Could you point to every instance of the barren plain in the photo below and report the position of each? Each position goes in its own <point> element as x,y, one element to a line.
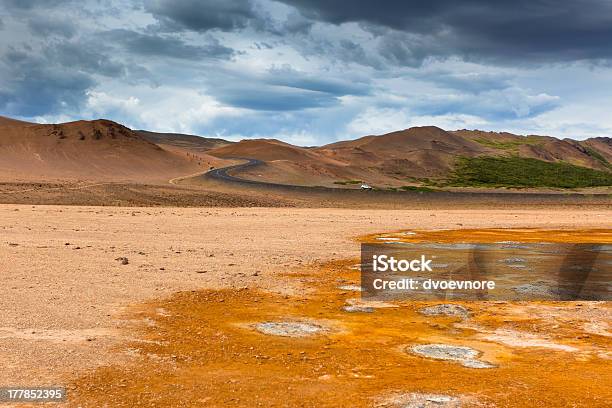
<point>84,289</point>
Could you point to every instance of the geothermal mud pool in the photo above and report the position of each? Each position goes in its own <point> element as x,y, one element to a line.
<point>329,348</point>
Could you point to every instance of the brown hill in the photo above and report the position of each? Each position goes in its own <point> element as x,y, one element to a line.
<point>417,152</point>
<point>264,149</point>
<point>4,121</point>
<point>394,159</point>
<point>105,150</point>
<point>397,144</point>
<point>285,163</point>
<point>192,143</point>
<point>86,150</point>
<point>404,157</point>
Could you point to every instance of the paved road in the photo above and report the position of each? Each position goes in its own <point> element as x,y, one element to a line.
<point>222,174</point>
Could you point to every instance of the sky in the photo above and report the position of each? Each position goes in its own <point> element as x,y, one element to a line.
<point>311,72</point>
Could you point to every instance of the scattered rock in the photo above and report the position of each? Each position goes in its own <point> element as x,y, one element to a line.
<point>201,271</point>
<point>515,338</point>
<point>123,260</point>
<point>516,266</point>
<point>351,288</point>
<point>445,352</point>
<point>358,309</point>
<point>477,364</point>
<point>422,400</point>
<point>467,356</point>
<point>289,329</point>
<point>539,288</point>
<point>376,304</point>
<point>447,309</point>
<point>513,260</point>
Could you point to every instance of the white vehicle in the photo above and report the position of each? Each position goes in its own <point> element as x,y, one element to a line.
<point>364,186</point>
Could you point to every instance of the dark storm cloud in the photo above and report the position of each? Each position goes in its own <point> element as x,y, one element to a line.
<point>337,50</point>
<point>45,26</point>
<point>196,15</point>
<point>94,58</point>
<point>405,49</point>
<point>165,46</point>
<point>272,98</point>
<point>39,16</point>
<point>472,82</point>
<point>32,4</point>
<point>283,89</point>
<point>58,79</point>
<point>302,66</point>
<point>224,15</point>
<point>89,57</point>
<point>338,87</point>
<point>296,23</point>
<point>34,88</point>
<point>531,30</point>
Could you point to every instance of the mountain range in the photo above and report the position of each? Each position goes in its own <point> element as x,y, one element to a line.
<point>105,150</point>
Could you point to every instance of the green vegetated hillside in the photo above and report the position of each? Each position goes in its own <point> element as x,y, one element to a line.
<point>598,156</point>
<point>509,145</point>
<point>525,172</point>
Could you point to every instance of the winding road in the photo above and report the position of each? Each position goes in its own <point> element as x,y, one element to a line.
<point>223,174</point>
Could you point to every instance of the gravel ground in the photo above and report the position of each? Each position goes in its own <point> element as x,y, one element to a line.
<point>68,272</point>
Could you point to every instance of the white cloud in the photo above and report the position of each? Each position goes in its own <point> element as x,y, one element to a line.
<point>99,101</point>
<point>450,122</point>
<point>345,65</point>
<point>377,121</point>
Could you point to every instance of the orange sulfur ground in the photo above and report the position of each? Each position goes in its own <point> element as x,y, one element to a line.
<point>595,236</point>
<point>200,348</point>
